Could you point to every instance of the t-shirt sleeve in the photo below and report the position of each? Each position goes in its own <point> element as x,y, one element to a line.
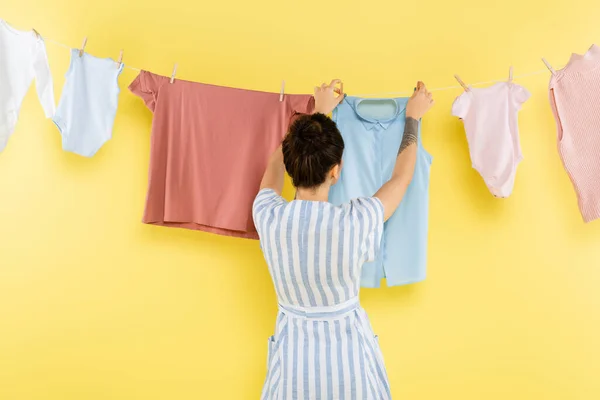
<point>302,104</point>
<point>264,204</point>
<point>461,106</point>
<point>43,79</point>
<point>368,213</point>
<point>520,95</point>
<point>146,86</point>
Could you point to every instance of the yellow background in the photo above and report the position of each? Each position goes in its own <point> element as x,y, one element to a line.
<point>96,305</point>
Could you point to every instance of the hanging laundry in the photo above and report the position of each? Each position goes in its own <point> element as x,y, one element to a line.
<point>22,58</point>
<point>88,104</point>
<point>209,149</point>
<point>490,119</point>
<point>372,130</point>
<point>574,98</point>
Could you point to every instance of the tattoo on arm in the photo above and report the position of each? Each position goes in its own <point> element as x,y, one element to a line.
<point>411,134</point>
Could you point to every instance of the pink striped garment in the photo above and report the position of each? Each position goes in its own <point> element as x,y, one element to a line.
<point>575,101</point>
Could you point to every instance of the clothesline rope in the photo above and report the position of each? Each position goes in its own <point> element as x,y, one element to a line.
<point>405,93</point>
<point>70,48</point>
<point>440,89</point>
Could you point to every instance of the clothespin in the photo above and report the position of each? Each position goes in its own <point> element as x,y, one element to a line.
<point>37,33</point>
<point>120,61</point>
<point>510,74</point>
<point>462,83</point>
<point>549,66</point>
<point>82,49</point>
<point>174,72</point>
<point>282,91</point>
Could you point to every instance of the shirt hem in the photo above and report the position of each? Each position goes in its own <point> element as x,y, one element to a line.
<point>204,228</point>
<point>390,283</point>
<point>591,216</point>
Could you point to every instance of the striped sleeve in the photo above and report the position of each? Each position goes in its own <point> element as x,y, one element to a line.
<point>369,212</point>
<point>264,204</point>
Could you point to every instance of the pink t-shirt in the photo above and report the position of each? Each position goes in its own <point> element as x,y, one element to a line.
<point>575,101</point>
<point>208,151</point>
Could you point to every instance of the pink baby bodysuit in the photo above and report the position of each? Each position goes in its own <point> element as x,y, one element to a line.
<point>490,119</point>
<point>575,101</point>
<point>209,150</point>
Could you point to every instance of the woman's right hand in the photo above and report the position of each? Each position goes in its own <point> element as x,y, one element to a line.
<point>325,96</point>
<point>419,103</point>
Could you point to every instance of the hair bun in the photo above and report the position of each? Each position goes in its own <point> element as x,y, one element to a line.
<point>311,131</point>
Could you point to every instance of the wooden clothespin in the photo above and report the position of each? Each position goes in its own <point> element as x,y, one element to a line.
<point>174,72</point>
<point>549,66</point>
<point>37,34</point>
<point>82,49</point>
<point>120,61</point>
<point>462,83</point>
<point>282,91</point>
<point>510,74</point>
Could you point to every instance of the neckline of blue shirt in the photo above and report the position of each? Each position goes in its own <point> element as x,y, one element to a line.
<point>371,123</point>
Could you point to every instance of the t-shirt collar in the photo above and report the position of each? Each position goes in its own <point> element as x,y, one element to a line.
<point>583,62</point>
<point>370,123</point>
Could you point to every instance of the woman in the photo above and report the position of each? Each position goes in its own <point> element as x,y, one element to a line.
<point>324,347</point>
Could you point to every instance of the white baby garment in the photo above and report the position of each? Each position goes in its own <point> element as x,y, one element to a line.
<point>22,58</point>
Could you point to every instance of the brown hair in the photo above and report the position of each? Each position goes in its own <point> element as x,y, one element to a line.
<point>312,146</point>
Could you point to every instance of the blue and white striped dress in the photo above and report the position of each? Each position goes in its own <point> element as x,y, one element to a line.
<point>323,347</point>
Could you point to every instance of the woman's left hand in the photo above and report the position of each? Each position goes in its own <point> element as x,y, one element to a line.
<point>325,96</point>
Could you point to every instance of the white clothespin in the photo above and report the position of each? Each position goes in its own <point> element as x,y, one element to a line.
<point>120,61</point>
<point>462,83</point>
<point>174,72</point>
<point>510,74</point>
<point>549,66</point>
<point>282,91</point>
<point>82,49</point>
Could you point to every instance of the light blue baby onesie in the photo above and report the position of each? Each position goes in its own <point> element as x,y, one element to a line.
<point>372,130</point>
<point>88,104</point>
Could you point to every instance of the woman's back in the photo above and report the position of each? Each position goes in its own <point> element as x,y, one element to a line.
<point>323,347</point>
<point>314,250</point>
